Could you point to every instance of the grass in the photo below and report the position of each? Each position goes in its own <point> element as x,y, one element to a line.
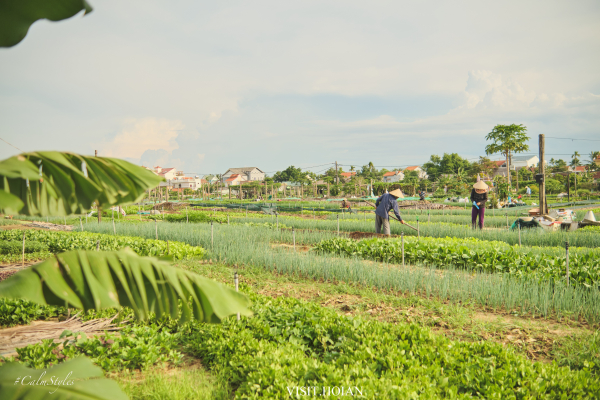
<point>250,246</point>
<point>187,381</point>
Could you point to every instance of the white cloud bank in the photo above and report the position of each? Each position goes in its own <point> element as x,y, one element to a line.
<point>140,135</point>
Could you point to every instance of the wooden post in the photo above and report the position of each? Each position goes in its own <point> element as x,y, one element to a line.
<point>402,239</point>
<point>542,171</point>
<point>99,209</point>
<point>229,192</point>
<point>568,187</point>
<point>328,193</point>
<point>23,261</point>
<point>567,260</point>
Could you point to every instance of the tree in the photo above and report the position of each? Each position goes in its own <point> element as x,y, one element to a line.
<point>290,174</point>
<point>575,159</point>
<point>594,164</point>
<point>507,139</point>
<point>557,165</point>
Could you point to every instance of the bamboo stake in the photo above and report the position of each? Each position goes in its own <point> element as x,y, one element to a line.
<point>23,261</point>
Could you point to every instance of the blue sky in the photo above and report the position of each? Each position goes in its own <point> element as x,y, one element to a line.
<point>203,86</point>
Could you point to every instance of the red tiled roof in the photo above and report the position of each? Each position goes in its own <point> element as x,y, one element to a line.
<point>391,173</point>
<point>500,163</point>
<point>347,174</point>
<point>414,167</point>
<point>580,168</point>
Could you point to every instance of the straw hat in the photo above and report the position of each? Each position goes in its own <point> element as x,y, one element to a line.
<point>480,184</point>
<point>397,194</point>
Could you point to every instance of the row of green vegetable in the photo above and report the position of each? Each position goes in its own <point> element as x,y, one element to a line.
<point>528,237</point>
<point>289,344</point>
<point>239,245</point>
<point>42,244</point>
<point>474,254</point>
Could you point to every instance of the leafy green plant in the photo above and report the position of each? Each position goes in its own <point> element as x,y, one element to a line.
<point>57,242</point>
<point>16,247</point>
<point>22,312</point>
<point>290,343</point>
<point>471,254</point>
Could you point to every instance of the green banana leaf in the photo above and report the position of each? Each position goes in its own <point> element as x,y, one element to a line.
<point>16,16</point>
<point>74,377</point>
<point>97,280</point>
<point>60,184</point>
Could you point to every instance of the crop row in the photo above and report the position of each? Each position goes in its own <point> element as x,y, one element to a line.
<point>58,242</point>
<point>289,344</point>
<point>239,245</point>
<point>471,254</point>
<point>529,237</point>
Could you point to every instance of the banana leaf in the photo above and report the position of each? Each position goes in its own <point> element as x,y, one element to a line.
<point>97,280</point>
<point>17,16</point>
<point>18,382</point>
<point>51,183</point>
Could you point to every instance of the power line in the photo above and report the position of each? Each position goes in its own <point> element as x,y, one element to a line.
<point>12,145</point>
<point>562,138</point>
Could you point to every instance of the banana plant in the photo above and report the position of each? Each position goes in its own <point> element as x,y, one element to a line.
<point>17,16</point>
<point>97,280</point>
<point>76,379</point>
<point>54,183</point>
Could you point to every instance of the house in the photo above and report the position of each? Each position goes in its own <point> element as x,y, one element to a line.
<point>235,179</point>
<point>168,174</point>
<point>346,176</point>
<point>186,182</point>
<point>580,169</point>
<point>516,163</point>
<point>420,171</point>
<point>246,173</point>
<point>393,176</point>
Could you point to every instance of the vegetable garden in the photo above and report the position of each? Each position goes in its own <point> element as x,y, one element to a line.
<point>282,345</point>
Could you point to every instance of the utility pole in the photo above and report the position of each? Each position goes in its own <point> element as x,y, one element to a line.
<point>337,180</point>
<point>568,186</point>
<point>542,171</point>
<point>98,202</point>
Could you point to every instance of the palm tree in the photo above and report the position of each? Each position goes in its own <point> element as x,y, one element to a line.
<point>594,155</point>
<point>575,159</point>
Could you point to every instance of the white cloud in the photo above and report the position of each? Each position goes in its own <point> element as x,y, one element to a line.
<point>141,135</point>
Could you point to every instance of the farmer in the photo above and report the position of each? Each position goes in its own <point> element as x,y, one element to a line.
<point>528,191</point>
<point>478,198</point>
<point>421,195</point>
<point>384,204</point>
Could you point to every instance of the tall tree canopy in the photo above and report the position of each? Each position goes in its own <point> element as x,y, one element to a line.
<point>290,174</point>
<point>507,139</point>
<point>447,164</point>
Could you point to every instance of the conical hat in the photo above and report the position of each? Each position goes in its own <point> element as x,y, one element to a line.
<point>480,185</point>
<point>397,194</point>
<point>590,216</point>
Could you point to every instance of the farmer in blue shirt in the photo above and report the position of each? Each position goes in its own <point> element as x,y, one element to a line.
<point>384,204</point>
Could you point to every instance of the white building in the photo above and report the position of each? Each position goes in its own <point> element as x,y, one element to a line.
<point>185,182</point>
<point>420,171</point>
<point>517,162</point>
<point>235,179</point>
<point>393,176</point>
<point>246,173</point>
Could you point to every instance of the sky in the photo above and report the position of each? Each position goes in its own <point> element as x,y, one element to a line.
<point>205,86</point>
